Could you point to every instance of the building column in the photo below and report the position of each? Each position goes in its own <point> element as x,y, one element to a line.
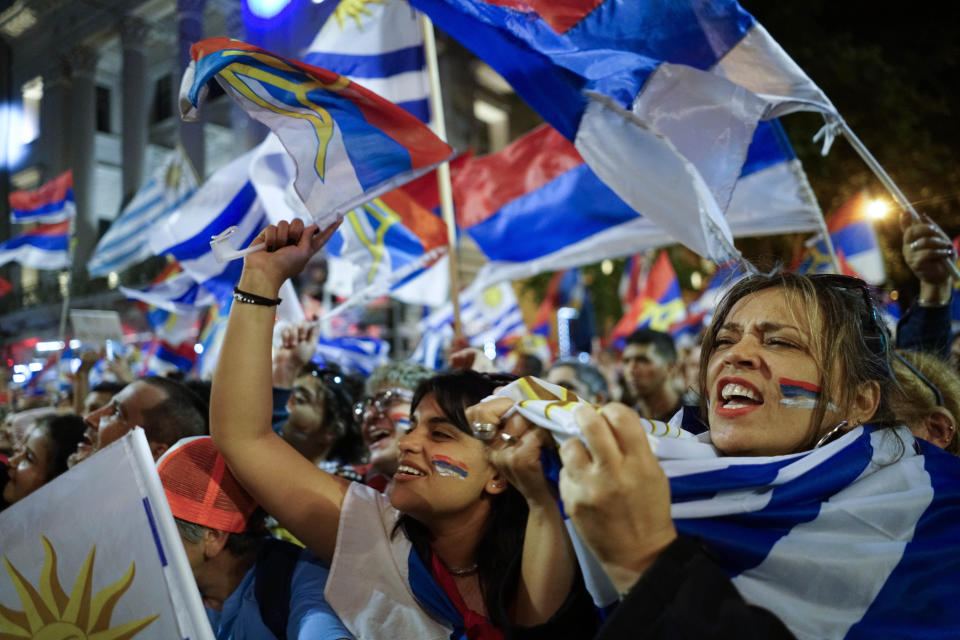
<point>83,63</point>
<point>133,35</point>
<point>54,122</point>
<point>190,30</point>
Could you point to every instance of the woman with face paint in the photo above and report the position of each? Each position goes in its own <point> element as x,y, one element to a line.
<point>789,364</point>
<point>457,550</point>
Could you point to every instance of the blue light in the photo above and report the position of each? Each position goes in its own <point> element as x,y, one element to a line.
<point>267,8</point>
<point>15,133</point>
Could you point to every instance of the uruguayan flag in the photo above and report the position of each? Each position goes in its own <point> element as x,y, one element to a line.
<point>180,294</point>
<point>380,48</point>
<point>353,354</point>
<point>126,242</point>
<point>488,315</point>
<point>856,539</point>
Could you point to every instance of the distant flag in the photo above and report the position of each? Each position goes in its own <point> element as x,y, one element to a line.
<point>659,305</point>
<point>661,99</point>
<point>719,284</point>
<point>381,49</point>
<point>180,294</point>
<point>43,247</point>
<point>488,315</point>
<point>349,144</point>
<point>126,242</point>
<point>353,354</point>
<point>540,189</point>
<point>853,235</point>
<point>52,202</point>
<point>211,339</point>
<point>686,330</point>
<point>629,286</point>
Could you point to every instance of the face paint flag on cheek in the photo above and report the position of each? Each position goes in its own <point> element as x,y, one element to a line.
<point>800,395</point>
<point>449,468</point>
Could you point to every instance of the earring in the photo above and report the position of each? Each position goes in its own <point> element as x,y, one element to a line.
<point>830,434</point>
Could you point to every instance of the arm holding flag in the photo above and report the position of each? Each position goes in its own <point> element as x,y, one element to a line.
<point>241,402</point>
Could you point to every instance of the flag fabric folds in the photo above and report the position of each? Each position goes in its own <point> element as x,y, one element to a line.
<point>659,305</point>
<point>539,188</point>
<point>122,564</point>
<point>353,354</point>
<point>662,98</point>
<point>795,532</point>
<point>349,144</point>
<point>126,241</point>
<point>52,202</point>
<point>43,247</point>
<point>381,49</point>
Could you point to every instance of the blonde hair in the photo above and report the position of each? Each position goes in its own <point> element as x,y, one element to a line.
<point>912,399</point>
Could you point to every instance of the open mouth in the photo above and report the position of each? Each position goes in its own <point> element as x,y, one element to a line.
<point>405,471</point>
<point>738,394</point>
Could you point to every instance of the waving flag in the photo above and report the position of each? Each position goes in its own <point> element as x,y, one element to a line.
<point>853,235</point>
<point>353,354</point>
<point>488,315</point>
<point>381,49</point>
<point>661,97</point>
<point>539,188</point>
<point>777,525</point>
<point>720,282</point>
<point>126,242</point>
<point>179,294</point>
<point>349,144</point>
<point>43,247</point>
<point>659,305</point>
<point>52,202</point>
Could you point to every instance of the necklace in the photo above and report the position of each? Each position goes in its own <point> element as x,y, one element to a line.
<point>463,571</point>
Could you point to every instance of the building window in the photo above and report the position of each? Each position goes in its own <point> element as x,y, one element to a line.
<point>162,99</point>
<point>103,109</point>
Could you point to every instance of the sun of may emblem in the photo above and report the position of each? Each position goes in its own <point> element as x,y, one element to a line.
<point>50,614</point>
<point>353,9</point>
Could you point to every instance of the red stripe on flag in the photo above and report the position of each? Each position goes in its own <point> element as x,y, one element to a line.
<point>559,14</point>
<point>55,229</point>
<point>423,223</point>
<point>53,191</point>
<point>486,184</point>
<point>809,386</point>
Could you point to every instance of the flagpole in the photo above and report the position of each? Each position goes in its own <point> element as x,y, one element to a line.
<point>443,171</point>
<point>65,305</point>
<point>887,182</point>
<point>827,240</point>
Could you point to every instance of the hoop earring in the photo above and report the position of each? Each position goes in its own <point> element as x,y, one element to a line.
<point>826,438</point>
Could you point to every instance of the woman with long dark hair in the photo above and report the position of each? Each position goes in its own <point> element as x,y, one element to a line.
<point>451,552</point>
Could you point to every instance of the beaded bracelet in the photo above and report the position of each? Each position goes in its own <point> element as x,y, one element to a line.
<point>252,298</point>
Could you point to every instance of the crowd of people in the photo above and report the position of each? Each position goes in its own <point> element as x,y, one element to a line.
<point>421,504</point>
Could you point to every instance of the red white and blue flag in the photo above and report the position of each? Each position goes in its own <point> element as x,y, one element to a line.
<point>43,247</point>
<point>52,202</point>
<point>349,144</point>
<point>661,97</point>
<point>660,304</point>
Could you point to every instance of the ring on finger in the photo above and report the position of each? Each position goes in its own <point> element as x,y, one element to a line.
<point>509,439</point>
<point>484,430</point>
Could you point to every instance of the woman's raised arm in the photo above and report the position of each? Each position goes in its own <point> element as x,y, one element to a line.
<point>291,488</point>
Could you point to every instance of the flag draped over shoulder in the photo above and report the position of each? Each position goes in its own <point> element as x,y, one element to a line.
<point>661,97</point>
<point>539,188</point>
<point>120,571</point>
<point>43,247</point>
<point>126,241</point>
<point>659,304</point>
<point>849,540</point>
<point>52,202</point>
<point>349,144</point>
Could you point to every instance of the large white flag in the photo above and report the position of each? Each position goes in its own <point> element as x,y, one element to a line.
<point>96,554</point>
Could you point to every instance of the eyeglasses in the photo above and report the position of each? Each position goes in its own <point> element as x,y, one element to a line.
<point>381,402</point>
<point>922,378</point>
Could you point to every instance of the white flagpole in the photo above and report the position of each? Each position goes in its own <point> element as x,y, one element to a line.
<point>443,171</point>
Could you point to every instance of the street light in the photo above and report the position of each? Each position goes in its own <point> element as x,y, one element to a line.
<point>877,209</point>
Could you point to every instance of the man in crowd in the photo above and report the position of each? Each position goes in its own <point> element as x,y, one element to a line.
<point>583,379</point>
<point>649,366</point>
<point>166,411</point>
<point>252,586</point>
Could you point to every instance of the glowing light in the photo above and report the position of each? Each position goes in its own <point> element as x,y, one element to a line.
<point>75,344</point>
<point>50,345</point>
<point>267,8</point>
<point>490,350</point>
<point>35,366</point>
<point>877,209</point>
<point>12,119</point>
<point>18,378</point>
<point>20,368</point>
<point>198,348</point>
<point>696,279</point>
<point>113,279</point>
<point>606,267</point>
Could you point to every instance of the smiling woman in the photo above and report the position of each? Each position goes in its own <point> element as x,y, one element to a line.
<point>42,455</point>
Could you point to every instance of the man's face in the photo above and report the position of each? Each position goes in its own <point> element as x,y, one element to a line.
<point>566,377</point>
<point>644,369</point>
<point>95,400</point>
<point>115,419</point>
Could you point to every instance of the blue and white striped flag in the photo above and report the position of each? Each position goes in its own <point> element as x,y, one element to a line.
<point>353,354</point>
<point>180,294</point>
<point>126,242</point>
<point>488,315</point>
<point>859,538</point>
<point>380,48</point>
